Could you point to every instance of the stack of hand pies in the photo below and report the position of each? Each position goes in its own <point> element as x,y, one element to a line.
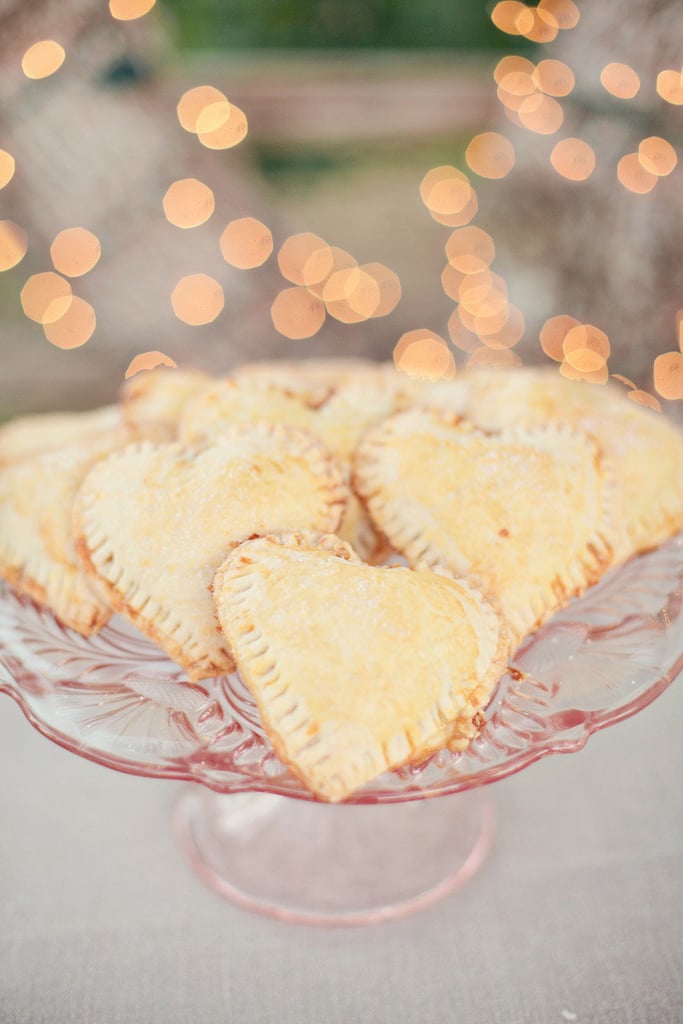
<point>240,523</point>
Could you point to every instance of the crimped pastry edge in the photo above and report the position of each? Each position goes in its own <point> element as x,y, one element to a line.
<point>433,733</point>
<point>89,542</point>
<point>410,540</point>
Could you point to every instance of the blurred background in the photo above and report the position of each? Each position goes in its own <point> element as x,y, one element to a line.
<point>349,105</point>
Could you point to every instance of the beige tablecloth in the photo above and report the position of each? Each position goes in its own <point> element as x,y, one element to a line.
<point>576,916</point>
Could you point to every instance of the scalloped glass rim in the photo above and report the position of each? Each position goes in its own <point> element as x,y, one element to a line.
<point>116,699</point>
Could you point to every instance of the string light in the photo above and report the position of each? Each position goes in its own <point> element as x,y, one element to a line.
<point>148,361</point>
<point>42,59</point>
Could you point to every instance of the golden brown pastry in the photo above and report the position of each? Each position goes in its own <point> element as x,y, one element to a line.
<point>154,522</point>
<point>645,446</point>
<point>37,553</point>
<point>152,400</point>
<point>526,513</point>
<point>32,435</point>
<point>355,669</point>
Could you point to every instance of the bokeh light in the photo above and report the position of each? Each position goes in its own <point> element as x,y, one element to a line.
<point>74,328</point>
<point>511,17</point>
<point>565,12</point>
<point>507,335</point>
<point>459,334</point>
<point>228,134</point>
<point>543,27</point>
<point>643,398</point>
<point>213,116</point>
<point>13,244</point>
<point>657,156</point>
<point>246,243</point>
<point>296,252</point>
<point>188,203</point>
<point>129,10</point>
<point>513,65</point>
<point>351,295</point>
<point>470,249</point>
<point>297,314</point>
<point>464,216</point>
<point>624,380</point>
<point>7,167</point>
<point>553,77</point>
<point>42,59</point>
<point>197,299</point>
<point>424,355</point>
<point>574,159</point>
<point>518,83</point>
<point>484,326</point>
<point>389,285</point>
<point>541,114</point>
<point>147,361</point>
<point>75,251</point>
<point>553,333</point>
<point>445,190</point>
<point>46,297</point>
<point>668,375</point>
<point>322,264</point>
<point>196,100</point>
<point>586,348</point>
<point>620,80</point>
<point>634,176</point>
<point>670,86</point>
<point>490,155</point>
<point>483,294</point>
<point>599,376</point>
<point>451,279</point>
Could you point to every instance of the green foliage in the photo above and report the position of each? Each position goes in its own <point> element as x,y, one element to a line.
<point>302,24</point>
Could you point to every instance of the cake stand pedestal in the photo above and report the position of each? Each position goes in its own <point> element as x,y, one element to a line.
<point>333,864</point>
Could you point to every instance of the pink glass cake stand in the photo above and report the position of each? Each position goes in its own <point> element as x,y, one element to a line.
<point>255,834</point>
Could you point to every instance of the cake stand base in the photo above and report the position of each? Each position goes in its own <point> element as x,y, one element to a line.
<point>324,864</point>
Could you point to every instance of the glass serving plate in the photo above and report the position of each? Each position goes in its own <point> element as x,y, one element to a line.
<point>116,699</point>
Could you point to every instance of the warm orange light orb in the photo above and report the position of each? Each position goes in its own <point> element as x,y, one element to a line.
<point>297,314</point>
<point>74,328</point>
<point>634,176</point>
<point>620,80</point>
<point>13,244</point>
<point>670,86</point>
<point>490,155</point>
<point>425,355</point>
<point>42,59</point>
<point>188,203</point>
<point>574,159</point>
<point>75,251</point>
<point>228,133</point>
<point>668,375</point>
<point>246,243</point>
<point>193,102</point>
<point>7,167</point>
<point>147,361</point>
<point>129,10</point>
<point>657,156</point>
<point>46,297</point>
<point>197,299</point>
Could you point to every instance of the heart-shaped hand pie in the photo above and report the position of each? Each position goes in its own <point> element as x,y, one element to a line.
<point>527,513</point>
<point>355,669</point>
<point>37,553</point>
<point>154,522</point>
<point>52,431</point>
<point>340,422</point>
<point>645,447</point>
